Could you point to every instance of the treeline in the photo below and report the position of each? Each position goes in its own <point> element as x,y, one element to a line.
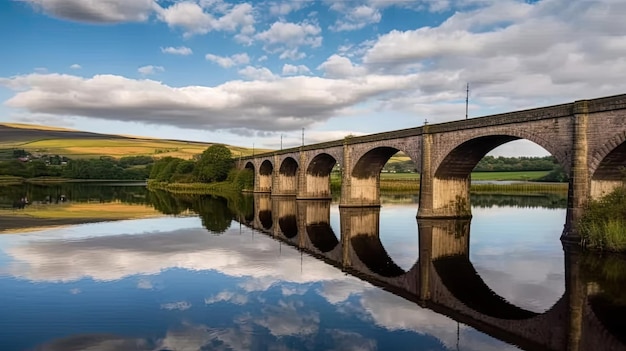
<point>131,167</point>
<point>514,164</point>
<point>215,164</point>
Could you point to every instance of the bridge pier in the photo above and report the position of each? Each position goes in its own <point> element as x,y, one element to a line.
<point>358,190</point>
<point>579,183</point>
<point>313,184</point>
<point>441,197</point>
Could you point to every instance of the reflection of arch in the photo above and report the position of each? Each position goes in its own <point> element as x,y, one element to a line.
<point>371,252</point>
<point>606,162</point>
<point>372,162</point>
<point>288,167</point>
<point>288,226</point>
<point>461,160</point>
<point>321,165</point>
<point>611,316</point>
<point>265,217</point>
<point>322,236</point>
<point>461,279</point>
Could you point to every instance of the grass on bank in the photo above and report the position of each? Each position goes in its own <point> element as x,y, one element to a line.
<point>603,225</point>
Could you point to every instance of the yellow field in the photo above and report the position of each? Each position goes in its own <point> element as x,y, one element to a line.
<point>89,148</point>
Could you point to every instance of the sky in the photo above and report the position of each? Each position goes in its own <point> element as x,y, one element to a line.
<point>258,72</point>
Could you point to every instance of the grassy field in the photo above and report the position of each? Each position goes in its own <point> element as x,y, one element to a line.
<point>528,175</point>
<point>77,144</point>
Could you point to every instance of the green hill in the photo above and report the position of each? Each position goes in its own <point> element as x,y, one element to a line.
<point>78,144</point>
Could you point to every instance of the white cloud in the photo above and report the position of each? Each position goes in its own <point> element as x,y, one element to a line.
<point>289,70</point>
<point>357,18</point>
<point>76,66</point>
<point>195,20</point>
<point>287,38</point>
<point>227,62</point>
<point>340,67</point>
<point>181,50</point>
<point>271,104</point>
<point>110,11</point>
<point>150,69</point>
<point>283,8</point>
<point>257,73</point>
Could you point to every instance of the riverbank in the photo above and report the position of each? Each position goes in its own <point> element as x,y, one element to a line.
<point>217,188</point>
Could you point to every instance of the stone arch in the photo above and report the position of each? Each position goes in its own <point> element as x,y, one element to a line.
<point>321,165</point>
<point>288,167</point>
<point>250,166</point>
<point>317,177</point>
<point>459,159</point>
<point>606,159</point>
<point>370,162</point>
<point>265,176</point>
<point>286,182</point>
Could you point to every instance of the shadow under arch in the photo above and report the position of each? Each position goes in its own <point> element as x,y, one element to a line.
<point>321,165</point>
<point>288,167</point>
<point>322,236</point>
<point>610,170</point>
<point>288,226</point>
<point>369,249</point>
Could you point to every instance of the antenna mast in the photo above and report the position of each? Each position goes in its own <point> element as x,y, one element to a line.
<point>466,99</point>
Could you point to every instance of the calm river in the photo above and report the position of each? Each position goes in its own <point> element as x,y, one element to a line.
<point>260,273</point>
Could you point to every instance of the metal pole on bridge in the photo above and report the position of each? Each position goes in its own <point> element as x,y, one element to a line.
<point>466,99</point>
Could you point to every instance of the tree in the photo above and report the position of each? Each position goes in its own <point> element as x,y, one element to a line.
<point>214,164</point>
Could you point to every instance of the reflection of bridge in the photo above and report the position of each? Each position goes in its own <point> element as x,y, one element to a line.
<point>443,279</point>
<point>587,138</point>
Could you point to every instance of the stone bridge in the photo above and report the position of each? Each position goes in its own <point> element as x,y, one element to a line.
<point>443,279</point>
<point>587,138</point>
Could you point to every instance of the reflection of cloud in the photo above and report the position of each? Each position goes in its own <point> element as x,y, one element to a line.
<point>227,296</point>
<point>394,313</point>
<point>337,291</point>
<point>533,282</point>
<point>285,319</point>
<point>115,257</point>
<point>179,305</point>
<point>348,341</point>
<point>144,283</point>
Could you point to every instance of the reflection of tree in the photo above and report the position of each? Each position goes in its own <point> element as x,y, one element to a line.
<point>167,204</point>
<point>214,213</point>
<point>75,192</point>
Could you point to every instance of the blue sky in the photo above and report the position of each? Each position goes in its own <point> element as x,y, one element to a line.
<point>247,72</point>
